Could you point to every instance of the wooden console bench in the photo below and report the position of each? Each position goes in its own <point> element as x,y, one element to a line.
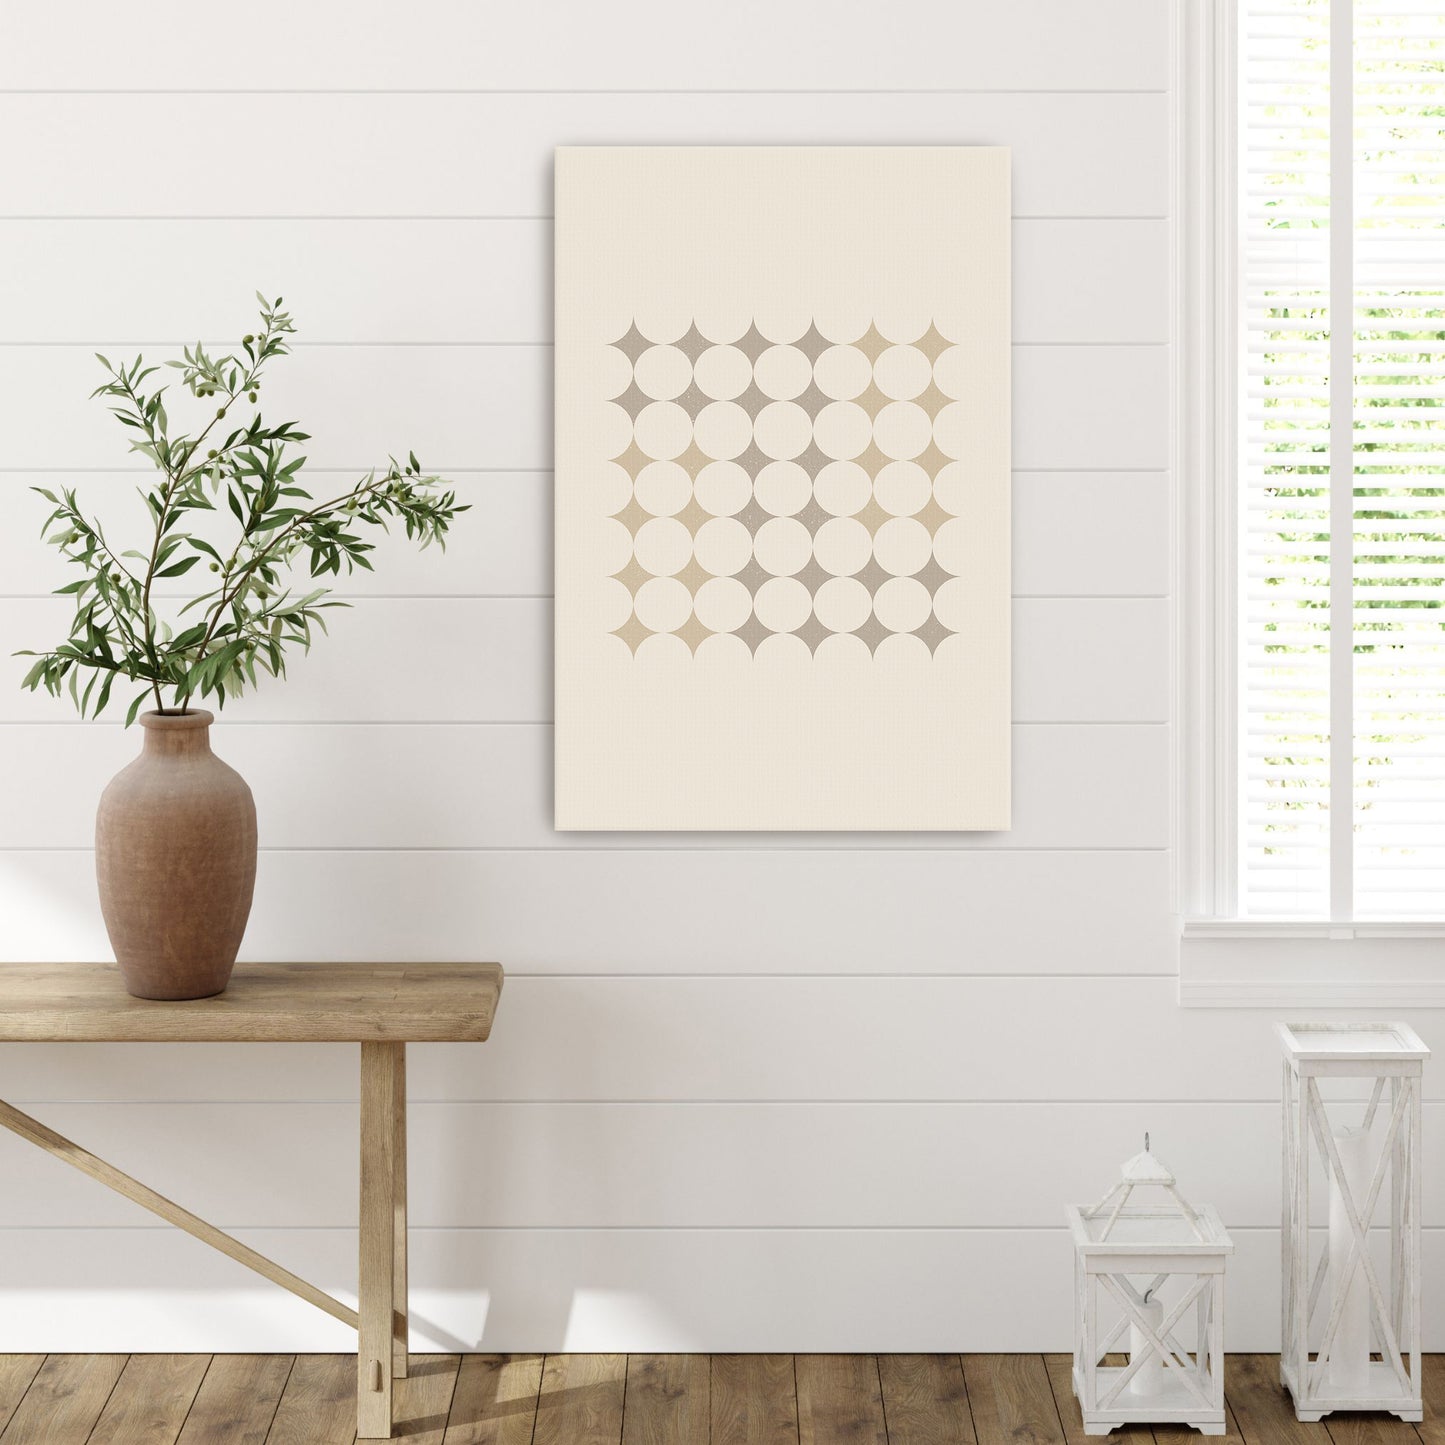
<point>383,1007</point>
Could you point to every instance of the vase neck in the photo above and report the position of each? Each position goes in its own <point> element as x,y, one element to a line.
<point>177,734</point>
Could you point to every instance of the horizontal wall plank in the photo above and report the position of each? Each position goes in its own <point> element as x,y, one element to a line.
<point>380,281</point>
<point>693,1166</point>
<point>1073,534</point>
<point>470,786</point>
<point>491,154</point>
<point>588,1290</point>
<point>452,44</point>
<point>890,1037</point>
<point>1099,660</point>
<point>1109,912</point>
<point>465,407</point>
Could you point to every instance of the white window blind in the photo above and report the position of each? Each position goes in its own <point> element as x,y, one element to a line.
<point>1341,642</point>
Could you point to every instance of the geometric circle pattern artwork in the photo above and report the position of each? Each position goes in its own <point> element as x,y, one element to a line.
<point>788,486</point>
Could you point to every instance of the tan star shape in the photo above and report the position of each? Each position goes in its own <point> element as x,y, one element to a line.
<point>812,343</point>
<point>633,633</point>
<point>872,632</point>
<point>694,575</point>
<point>633,575</point>
<point>932,460</point>
<point>873,575</point>
<point>694,516</point>
<point>752,343</point>
<point>813,632</point>
<point>872,343</point>
<point>632,400</point>
<point>932,400</point>
<point>933,343</point>
<point>753,633</point>
<point>753,399</point>
<point>632,460</point>
<point>872,459</point>
<point>872,516</point>
<point>812,459</point>
<point>872,400</point>
<point>932,575</point>
<point>692,343</point>
<point>932,516</point>
<point>633,344</point>
<point>933,632</point>
<point>634,516</point>
<point>693,633</point>
<point>694,459</point>
<point>693,399</point>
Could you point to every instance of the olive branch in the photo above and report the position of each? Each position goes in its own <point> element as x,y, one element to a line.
<point>249,616</point>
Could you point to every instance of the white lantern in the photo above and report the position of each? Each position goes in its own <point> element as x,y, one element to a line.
<point>1336,1310</point>
<point>1150,1268</point>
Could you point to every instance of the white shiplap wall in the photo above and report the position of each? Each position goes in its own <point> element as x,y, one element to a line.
<point>745,1092</point>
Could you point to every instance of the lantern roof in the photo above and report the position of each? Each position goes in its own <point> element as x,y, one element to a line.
<point>1132,1215</point>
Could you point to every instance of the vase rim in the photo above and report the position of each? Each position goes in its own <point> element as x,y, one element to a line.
<point>196,717</point>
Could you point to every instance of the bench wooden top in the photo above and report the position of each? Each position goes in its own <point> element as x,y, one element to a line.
<point>265,1003</point>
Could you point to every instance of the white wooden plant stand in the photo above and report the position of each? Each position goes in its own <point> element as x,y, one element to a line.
<point>1116,1244</point>
<point>1344,1284</point>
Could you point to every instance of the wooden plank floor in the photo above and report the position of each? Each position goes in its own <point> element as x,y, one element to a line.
<point>630,1400</point>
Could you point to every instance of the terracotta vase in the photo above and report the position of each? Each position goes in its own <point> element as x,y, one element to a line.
<point>175,856</point>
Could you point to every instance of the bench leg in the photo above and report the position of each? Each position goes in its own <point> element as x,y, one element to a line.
<point>377,1283</point>
<point>400,1338</point>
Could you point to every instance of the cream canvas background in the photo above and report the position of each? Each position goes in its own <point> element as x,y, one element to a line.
<point>723,236</point>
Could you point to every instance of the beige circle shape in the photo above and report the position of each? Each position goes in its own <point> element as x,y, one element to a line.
<point>663,430</point>
<point>783,429</point>
<point>843,604</point>
<point>783,488</point>
<point>663,488</point>
<point>843,546</point>
<point>783,372</point>
<point>723,546</point>
<point>950,373</point>
<point>902,546</point>
<point>950,546</point>
<point>843,488</point>
<point>842,372</point>
<point>951,488</point>
<point>902,372</point>
<point>950,604</point>
<point>722,372</point>
<point>951,428</point>
<point>902,604</point>
<point>783,604</point>
<point>663,604</point>
<point>723,430</point>
<point>903,488</point>
<point>723,488</point>
<point>902,430</point>
<point>662,372</point>
<point>723,604</point>
<point>664,546</point>
<point>842,430</point>
<point>783,546</point>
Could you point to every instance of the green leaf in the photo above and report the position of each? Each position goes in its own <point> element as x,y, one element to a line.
<point>178,568</point>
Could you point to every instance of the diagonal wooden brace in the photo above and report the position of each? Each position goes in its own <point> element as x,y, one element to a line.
<point>1358,1256</point>
<point>138,1193</point>
<point>1156,1341</point>
<point>1123,1324</point>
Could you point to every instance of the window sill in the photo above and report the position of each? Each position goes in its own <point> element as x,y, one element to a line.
<point>1232,963</point>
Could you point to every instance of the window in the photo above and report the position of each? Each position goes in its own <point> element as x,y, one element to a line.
<point>1338,333</point>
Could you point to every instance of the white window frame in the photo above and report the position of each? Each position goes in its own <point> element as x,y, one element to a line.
<point>1227,962</point>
